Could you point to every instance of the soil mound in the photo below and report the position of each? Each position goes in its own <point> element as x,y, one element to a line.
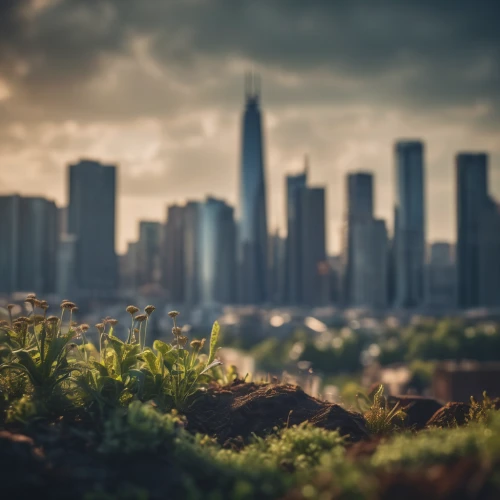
<point>243,409</point>
<point>418,409</point>
<point>450,415</point>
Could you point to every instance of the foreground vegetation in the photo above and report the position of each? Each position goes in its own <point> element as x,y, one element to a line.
<point>125,420</point>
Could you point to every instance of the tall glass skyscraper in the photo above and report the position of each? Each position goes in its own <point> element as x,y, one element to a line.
<point>409,225</point>
<point>252,234</point>
<point>91,218</point>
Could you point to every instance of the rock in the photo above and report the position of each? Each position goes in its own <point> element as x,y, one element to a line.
<point>418,409</point>
<point>450,415</point>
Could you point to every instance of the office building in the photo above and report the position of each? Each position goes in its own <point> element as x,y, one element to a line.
<point>91,218</point>
<point>409,230</point>
<point>441,277</point>
<point>252,231</point>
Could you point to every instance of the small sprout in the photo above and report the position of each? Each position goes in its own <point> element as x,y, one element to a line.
<point>149,310</point>
<point>141,317</point>
<point>132,310</point>
<point>173,314</point>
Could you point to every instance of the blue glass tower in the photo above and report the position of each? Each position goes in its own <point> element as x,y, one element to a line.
<point>252,237</point>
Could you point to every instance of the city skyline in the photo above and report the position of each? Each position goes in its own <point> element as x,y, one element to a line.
<point>164,104</point>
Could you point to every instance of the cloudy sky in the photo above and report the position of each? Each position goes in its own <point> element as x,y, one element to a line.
<point>156,86</point>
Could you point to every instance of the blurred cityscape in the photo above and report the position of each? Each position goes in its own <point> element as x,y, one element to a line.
<point>211,262</point>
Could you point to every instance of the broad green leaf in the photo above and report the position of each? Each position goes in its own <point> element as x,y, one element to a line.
<point>162,347</point>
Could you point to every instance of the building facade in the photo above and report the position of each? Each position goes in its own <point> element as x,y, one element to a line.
<point>409,227</point>
<point>252,231</point>
<point>92,219</point>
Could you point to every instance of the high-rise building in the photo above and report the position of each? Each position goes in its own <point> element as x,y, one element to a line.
<point>409,229</point>
<point>192,252</point>
<point>66,265</point>
<point>478,234</point>
<point>28,247</point>
<point>369,264</point>
<point>149,252</point>
<point>295,184</point>
<point>217,242</point>
<point>314,268</point>
<point>91,218</point>
<point>472,202</point>
<point>359,209</point>
<point>9,243</point>
<point>173,268</point>
<point>277,268</point>
<point>441,280</point>
<point>252,231</point>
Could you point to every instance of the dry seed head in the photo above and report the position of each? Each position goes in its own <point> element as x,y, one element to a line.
<point>68,305</point>
<point>180,341</point>
<point>75,309</point>
<point>132,310</point>
<point>10,307</point>
<point>196,344</point>
<point>149,310</point>
<point>176,330</point>
<point>44,305</point>
<point>84,327</point>
<point>38,303</point>
<point>100,327</point>
<point>141,317</point>
<point>113,322</point>
<point>30,296</point>
<point>30,301</point>
<point>52,319</point>
<point>22,319</point>
<point>173,314</point>
<point>73,323</point>
<point>4,323</point>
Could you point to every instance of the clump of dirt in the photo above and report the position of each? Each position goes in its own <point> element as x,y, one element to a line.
<point>450,415</point>
<point>418,409</point>
<point>243,409</point>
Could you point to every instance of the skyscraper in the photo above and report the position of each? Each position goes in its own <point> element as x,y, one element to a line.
<point>173,255</point>
<point>217,242</point>
<point>314,268</point>
<point>278,272</point>
<point>148,252</point>
<point>359,210</point>
<point>440,286</point>
<point>91,218</point>
<point>28,244</point>
<point>192,252</point>
<point>478,234</point>
<point>409,224</point>
<point>295,184</point>
<point>252,231</point>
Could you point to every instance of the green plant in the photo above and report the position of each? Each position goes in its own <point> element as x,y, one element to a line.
<point>480,410</point>
<point>380,418</point>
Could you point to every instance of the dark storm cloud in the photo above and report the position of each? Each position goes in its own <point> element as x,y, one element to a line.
<point>415,53</point>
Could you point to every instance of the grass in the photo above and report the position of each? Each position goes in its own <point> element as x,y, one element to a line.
<point>109,421</point>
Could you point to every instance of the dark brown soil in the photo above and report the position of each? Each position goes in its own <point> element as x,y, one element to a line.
<point>241,410</point>
<point>418,409</point>
<point>450,415</point>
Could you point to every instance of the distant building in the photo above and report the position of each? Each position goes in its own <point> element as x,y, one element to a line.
<point>359,209</point>
<point>295,184</point>
<point>192,252</point>
<point>91,218</point>
<point>441,277</point>
<point>252,232</point>
<point>409,228</point>
<point>67,265</point>
<point>28,247</point>
<point>277,269</point>
<point>315,271</point>
<point>148,252</point>
<point>217,242</point>
<point>478,230</point>
<point>369,264</point>
<point>173,255</point>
